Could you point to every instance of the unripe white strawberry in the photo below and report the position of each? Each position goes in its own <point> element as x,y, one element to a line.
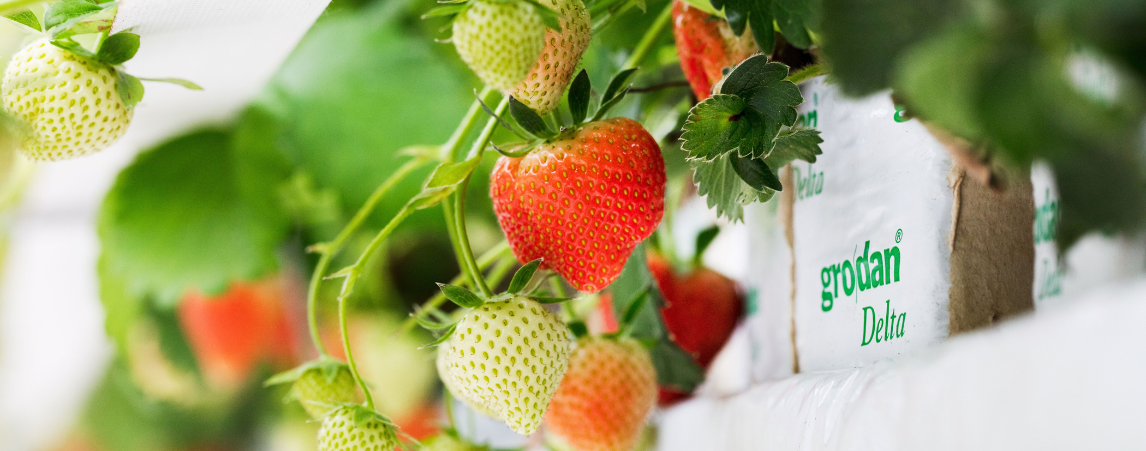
<point>353,428</point>
<point>508,357</point>
<point>542,88</point>
<point>443,370</point>
<point>69,102</point>
<point>499,40</point>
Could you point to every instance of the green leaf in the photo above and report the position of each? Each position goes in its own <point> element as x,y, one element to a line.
<point>130,88</point>
<point>179,219</point>
<point>764,88</point>
<point>757,14</point>
<point>619,82</point>
<point>635,283</point>
<point>755,173</point>
<point>522,277</point>
<point>795,18</point>
<point>461,296</point>
<point>26,19</point>
<point>861,46</point>
<point>719,125</point>
<point>176,81</point>
<point>940,79</point>
<point>72,46</point>
<point>172,341</point>
<point>723,188</point>
<point>675,367</point>
<point>121,307</point>
<point>579,94</point>
<point>63,11</point>
<point>703,240</point>
<point>529,120</point>
<point>802,144</point>
<point>118,48</point>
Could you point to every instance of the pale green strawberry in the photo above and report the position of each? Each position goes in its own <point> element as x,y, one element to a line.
<point>508,357</point>
<point>354,428</point>
<point>69,102</point>
<point>449,383</point>
<point>320,391</point>
<point>541,90</point>
<point>500,40</point>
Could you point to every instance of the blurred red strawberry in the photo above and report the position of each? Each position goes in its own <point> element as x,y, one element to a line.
<point>706,45</point>
<point>232,333</point>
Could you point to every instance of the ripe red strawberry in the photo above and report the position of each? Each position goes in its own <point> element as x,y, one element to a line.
<point>606,395</point>
<point>701,308</point>
<point>706,45</point>
<point>546,82</point>
<point>233,332</point>
<point>583,202</point>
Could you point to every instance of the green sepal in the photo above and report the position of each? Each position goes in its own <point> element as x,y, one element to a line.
<point>452,9</point>
<point>431,325</point>
<point>549,300</point>
<point>461,296</point>
<point>327,365</point>
<point>26,19</point>
<point>363,416</point>
<point>73,46</point>
<point>453,173</point>
<point>578,328</point>
<point>530,120</point>
<point>675,367</point>
<point>549,17</point>
<point>130,88</point>
<point>755,173</point>
<point>442,339</point>
<point>118,48</point>
<point>633,307</point>
<point>614,93</point>
<point>703,240</point>
<point>176,81</point>
<point>579,93</point>
<point>522,277</point>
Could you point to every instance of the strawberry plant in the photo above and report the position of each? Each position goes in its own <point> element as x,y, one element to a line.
<point>590,120</point>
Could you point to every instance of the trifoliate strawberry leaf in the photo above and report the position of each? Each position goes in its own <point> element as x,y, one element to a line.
<point>755,173</point>
<point>26,19</point>
<point>529,120</point>
<point>130,88</point>
<point>719,125</point>
<point>181,218</point>
<point>118,48</point>
<point>579,93</point>
<point>792,144</point>
<point>724,189</point>
<point>763,86</point>
<point>522,277</point>
<point>461,296</point>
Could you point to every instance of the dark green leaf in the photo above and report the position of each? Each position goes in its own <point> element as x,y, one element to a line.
<point>755,173</point>
<point>118,48</point>
<point>675,367</point>
<point>723,189</point>
<point>719,125</point>
<point>172,339</point>
<point>632,309</point>
<point>130,88</point>
<point>802,144</point>
<point>461,296</point>
<point>764,88</point>
<point>863,48</point>
<point>66,10</point>
<point>178,219</point>
<point>27,19</point>
<point>703,240</point>
<point>579,93</point>
<point>794,18</point>
<point>176,81</point>
<point>522,277</point>
<point>635,281</point>
<point>529,120</point>
<point>940,79</point>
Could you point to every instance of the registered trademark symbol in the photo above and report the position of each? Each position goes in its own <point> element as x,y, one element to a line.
<point>898,235</point>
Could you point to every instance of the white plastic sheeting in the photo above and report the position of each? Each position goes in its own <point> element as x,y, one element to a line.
<point>52,344</point>
<point>1066,378</point>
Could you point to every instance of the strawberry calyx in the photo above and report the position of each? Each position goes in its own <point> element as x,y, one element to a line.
<point>328,366</point>
<point>536,130</point>
<point>451,9</point>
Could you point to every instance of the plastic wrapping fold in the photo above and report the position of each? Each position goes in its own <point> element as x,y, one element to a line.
<point>1065,379</point>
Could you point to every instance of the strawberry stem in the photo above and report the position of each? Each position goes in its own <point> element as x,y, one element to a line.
<point>650,37</point>
<point>496,253</point>
<point>329,250</point>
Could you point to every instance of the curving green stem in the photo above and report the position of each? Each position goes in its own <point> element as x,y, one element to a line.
<point>351,277</point>
<point>651,35</point>
<point>328,250</point>
<point>498,252</point>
